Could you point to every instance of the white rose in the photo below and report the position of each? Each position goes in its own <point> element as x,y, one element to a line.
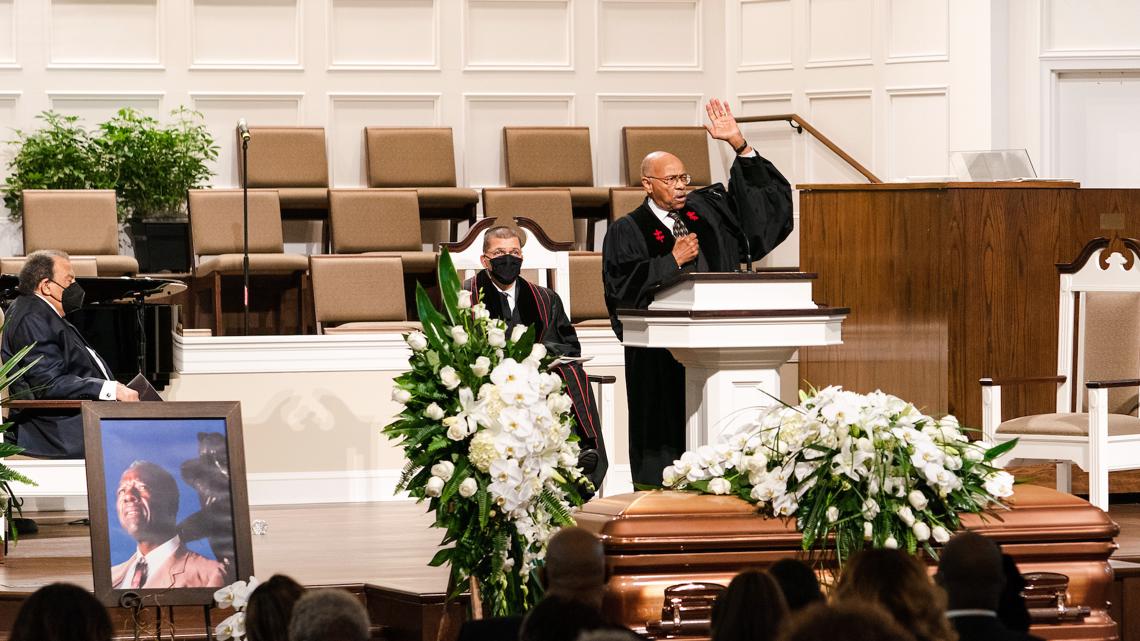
<point>940,534</point>
<point>497,337</point>
<point>921,530</point>
<point>832,514</point>
<point>537,352</point>
<point>456,429</point>
<point>480,312</point>
<point>517,333</point>
<point>720,485</point>
<point>443,469</point>
<point>434,412</point>
<point>891,543</point>
<point>973,453</point>
<point>468,488</point>
<point>459,335</point>
<point>401,396</point>
<point>868,530</point>
<point>434,486</point>
<point>449,377</point>
<point>906,516</point>
<point>917,499</point>
<point>464,301</point>
<point>481,367</point>
<point>417,341</point>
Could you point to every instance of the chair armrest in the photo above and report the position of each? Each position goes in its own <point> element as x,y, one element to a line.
<point>1021,380</point>
<point>43,404</point>
<point>1124,382</point>
<point>601,380</point>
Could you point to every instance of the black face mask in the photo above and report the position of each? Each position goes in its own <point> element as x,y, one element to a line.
<point>506,268</point>
<point>72,299</point>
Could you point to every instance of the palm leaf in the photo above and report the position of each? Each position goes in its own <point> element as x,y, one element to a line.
<point>449,286</point>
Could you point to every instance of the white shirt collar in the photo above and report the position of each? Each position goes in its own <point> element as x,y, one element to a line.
<point>662,215</point>
<point>154,560</point>
<point>950,614</point>
<point>510,292</point>
<point>48,303</point>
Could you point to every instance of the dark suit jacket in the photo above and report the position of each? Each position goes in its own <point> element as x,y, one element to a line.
<point>984,628</point>
<point>65,370</point>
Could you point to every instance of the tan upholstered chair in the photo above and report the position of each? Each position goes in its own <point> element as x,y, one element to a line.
<point>587,291</point>
<point>81,222</point>
<point>380,222</point>
<point>292,160</point>
<point>83,265</point>
<point>557,157</point>
<point>550,208</point>
<point>623,200</point>
<point>216,243</point>
<point>359,294</point>
<point>690,144</point>
<point>420,158</point>
<point>1098,354</point>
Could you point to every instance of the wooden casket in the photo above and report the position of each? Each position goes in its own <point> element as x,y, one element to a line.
<point>654,540</point>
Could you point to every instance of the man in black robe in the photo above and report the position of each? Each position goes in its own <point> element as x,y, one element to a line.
<point>711,229</point>
<point>517,301</point>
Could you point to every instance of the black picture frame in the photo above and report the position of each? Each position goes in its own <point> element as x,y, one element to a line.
<point>112,422</point>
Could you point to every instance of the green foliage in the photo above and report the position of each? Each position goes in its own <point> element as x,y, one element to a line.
<point>149,165</point>
<point>11,371</point>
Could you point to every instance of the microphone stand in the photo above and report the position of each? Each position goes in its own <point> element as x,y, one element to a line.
<point>245,234</point>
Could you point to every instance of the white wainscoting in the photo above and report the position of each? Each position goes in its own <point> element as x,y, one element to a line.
<point>410,41</point>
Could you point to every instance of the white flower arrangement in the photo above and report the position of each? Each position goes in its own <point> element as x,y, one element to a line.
<point>487,433</point>
<point>236,596</point>
<point>852,469</point>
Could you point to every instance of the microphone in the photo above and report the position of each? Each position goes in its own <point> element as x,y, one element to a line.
<point>243,130</point>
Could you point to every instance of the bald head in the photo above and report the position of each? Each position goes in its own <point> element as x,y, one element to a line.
<point>575,564</point>
<point>654,160</point>
<point>970,570</point>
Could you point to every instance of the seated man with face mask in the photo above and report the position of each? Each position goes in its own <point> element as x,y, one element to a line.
<point>67,369</point>
<point>518,302</point>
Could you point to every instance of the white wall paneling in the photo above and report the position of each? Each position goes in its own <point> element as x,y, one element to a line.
<point>918,132</point>
<point>649,35</point>
<point>484,117</point>
<point>615,111</point>
<point>918,31</point>
<point>779,143</point>
<point>104,34</point>
<point>350,113</point>
<point>1096,132</point>
<point>9,103</point>
<point>766,29</point>
<point>840,32</point>
<point>410,37</point>
<point>846,117</point>
<point>245,34</point>
<point>1083,28</point>
<point>508,35</point>
<point>94,107</point>
<point>8,34</point>
<point>222,111</point>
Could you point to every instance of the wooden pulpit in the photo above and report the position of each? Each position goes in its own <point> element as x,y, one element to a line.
<point>732,332</point>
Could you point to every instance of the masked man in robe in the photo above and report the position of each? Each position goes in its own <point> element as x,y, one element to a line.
<point>712,229</point>
<point>519,302</point>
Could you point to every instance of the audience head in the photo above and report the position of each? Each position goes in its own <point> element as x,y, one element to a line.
<point>751,609</point>
<point>970,570</point>
<point>328,615</point>
<point>558,618</point>
<point>47,272</point>
<point>610,634</point>
<point>61,612</point>
<point>575,566</point>
<point>1012,610</point>
<point>798,582</point>
<point>270,607</point>
<point>898,583</point>
<point>858,622</point>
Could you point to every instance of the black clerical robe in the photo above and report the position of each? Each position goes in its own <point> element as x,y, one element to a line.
<point>541,307</point>
<point>743,222</point>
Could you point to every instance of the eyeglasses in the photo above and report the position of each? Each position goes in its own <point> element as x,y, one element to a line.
<point>517,253</point>
<point>672,181</point>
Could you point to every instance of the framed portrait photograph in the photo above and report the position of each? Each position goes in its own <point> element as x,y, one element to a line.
<point>167,496</point>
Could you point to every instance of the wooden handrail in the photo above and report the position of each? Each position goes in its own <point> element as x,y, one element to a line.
<point>799,124</point>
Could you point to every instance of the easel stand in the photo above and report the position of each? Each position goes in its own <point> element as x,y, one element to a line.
<point>133,602</point>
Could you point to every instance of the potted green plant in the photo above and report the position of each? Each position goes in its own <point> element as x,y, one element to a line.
<point>152,166</point>
<point>59,155</point>
<point>11,370</point>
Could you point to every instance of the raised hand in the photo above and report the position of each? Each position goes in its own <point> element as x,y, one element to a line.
<point>722,124</point>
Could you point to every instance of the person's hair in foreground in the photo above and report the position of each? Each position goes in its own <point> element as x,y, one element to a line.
<point>899,583</point>
<point>270,607</point>
<point>798,582</point>
<point>61,612</point>
<point>751,609</point>
<point>328,615</point>
<point>850,621</point>
<point>559,618</point>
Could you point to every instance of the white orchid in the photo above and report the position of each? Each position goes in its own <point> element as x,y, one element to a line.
<point>232,627</point>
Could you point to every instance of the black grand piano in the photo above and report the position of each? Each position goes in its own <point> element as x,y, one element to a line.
<point>125,321</point>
